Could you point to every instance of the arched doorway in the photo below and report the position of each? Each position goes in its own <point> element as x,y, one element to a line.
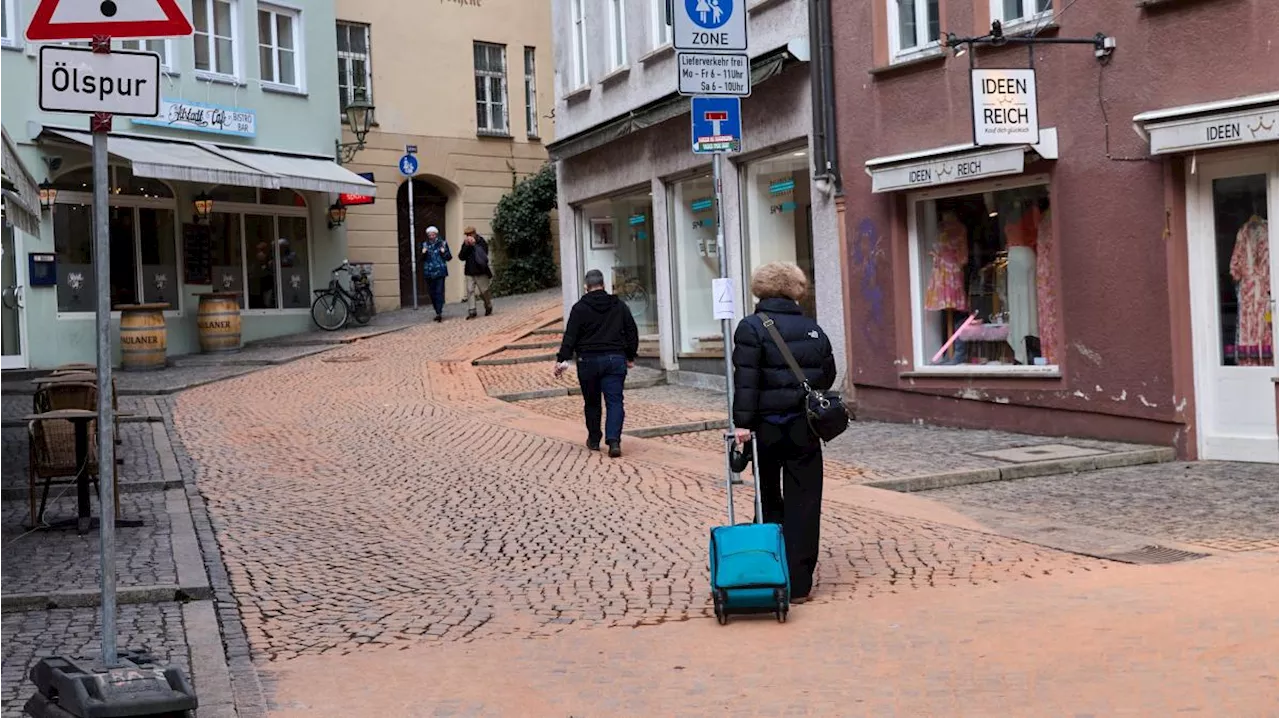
<point>428,210</point>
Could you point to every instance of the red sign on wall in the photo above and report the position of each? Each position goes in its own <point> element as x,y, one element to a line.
<point>354,200</point>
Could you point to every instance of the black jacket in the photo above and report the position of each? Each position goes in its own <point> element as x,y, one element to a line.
<point>763,384</point>
<point>470,266</point>
<point>600,324</point>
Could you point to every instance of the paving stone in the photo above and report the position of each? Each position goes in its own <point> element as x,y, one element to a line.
<point>1228,506</point>
<point>32,635</point>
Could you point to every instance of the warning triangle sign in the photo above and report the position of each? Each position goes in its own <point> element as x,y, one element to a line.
<point>85,19</point>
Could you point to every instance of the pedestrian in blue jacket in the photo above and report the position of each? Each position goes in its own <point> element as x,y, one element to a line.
<point>435,268</point>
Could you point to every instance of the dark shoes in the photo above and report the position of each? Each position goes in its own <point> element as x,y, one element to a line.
<point>471,315</point>
<point>488,311</point>
<point>439,318</point>
<point>593,445</point>
<point>615,449</point>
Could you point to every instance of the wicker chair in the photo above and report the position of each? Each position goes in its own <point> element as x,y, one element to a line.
<point>52,444</point>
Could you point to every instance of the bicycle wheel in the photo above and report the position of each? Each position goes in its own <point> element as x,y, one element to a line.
<point>329,312</point>
<point>361,308</point>
<point>367,293</point>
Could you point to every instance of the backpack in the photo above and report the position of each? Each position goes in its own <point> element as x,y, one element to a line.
<point>480,255</point>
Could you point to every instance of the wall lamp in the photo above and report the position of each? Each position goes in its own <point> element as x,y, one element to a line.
<point>202,206</point>
<point>359,114</point>
<point>337,214</point>
<point>48,194</point>
<point>1103,46</point>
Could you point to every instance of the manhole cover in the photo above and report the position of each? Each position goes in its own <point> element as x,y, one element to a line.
<point>348,359</point>
<point>1156,554</point>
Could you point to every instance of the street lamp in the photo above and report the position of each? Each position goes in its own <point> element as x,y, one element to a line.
<point>337,214</point>
<point>203,207</point>
<point>48,194</point>
<point>359,114</point>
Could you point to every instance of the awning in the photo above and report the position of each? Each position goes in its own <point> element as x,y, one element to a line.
<point>21,193</point>
<point>208,163</point>
<point>955,163</point>
<point>1211,125</point>
<point>304,173</point>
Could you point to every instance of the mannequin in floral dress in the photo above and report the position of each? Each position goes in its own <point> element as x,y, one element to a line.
<point>1251,268</point>
<point>946,290</point>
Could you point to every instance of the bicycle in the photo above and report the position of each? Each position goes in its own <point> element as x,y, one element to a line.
<point>334,306</point>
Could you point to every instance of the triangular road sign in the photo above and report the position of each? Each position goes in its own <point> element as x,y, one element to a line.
<point>84,19</point>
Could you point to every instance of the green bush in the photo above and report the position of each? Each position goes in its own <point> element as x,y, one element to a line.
<point>522,230</point>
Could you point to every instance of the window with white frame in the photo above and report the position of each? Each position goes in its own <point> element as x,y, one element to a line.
<point>1017,12</point>
<point>579,44</point>
<point>983,296</point>
<point>278,46</point>
<point>215,37</point>
<point>142,226</point>
<point>159,47</point>
<point>531,91</point>
<point>491,88</point>
<point>9,23</point>
<point>354,70</point>
<point>661,30</point>
<point>913,27</point>
<point>617,34</point>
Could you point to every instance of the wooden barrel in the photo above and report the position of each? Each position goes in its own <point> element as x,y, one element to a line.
<point>219,322</point>
<point>143,339</point>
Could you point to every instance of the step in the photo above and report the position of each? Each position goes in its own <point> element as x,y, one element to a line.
<point>523,344</point>
<point>637,378</point>
<point>547,331</point>
<point>516,356</point>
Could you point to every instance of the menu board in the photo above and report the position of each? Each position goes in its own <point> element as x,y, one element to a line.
<point>197,254</point>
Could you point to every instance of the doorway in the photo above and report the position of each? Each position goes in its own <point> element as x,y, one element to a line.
<point>13,321</point>
<point>1232,265</point>
<point>429,204</point>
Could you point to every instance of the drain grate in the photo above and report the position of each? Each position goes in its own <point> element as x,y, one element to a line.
<point>347,359</point>
<point>1155,555</point>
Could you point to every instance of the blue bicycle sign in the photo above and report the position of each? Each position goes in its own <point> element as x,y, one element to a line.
<point>709,14</point>
<point>408,165</point>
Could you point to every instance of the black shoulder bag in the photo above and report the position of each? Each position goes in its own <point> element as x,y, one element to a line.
<point>827,415</point>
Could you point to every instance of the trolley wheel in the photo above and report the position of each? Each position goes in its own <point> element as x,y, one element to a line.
<point>780,605</point>
<point>722,613</point>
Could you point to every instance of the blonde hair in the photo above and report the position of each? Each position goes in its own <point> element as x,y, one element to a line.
<point>779,279</point>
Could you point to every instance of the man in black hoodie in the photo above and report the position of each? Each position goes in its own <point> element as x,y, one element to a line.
<point>602,334</point>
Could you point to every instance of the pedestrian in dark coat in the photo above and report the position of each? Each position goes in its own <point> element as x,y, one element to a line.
<point>769,400</point>
<point>474,254</point>
<point>435,268</point>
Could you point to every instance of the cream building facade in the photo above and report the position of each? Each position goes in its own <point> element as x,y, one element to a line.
<point>470,84</point>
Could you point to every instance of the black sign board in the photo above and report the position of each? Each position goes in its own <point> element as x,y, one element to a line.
<point>197,254</point>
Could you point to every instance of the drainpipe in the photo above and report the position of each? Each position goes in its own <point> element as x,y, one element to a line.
<point>826,160</point>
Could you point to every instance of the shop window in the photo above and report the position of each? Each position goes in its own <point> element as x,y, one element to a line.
<point>1244,270</point>
<point>1016,12</point>
<point>215,37</point>
<point>491,88</point>
<point>981,281</point>
<point>263,257</point>
<point>142,234</point>
<point>354,71</point>
<point>778,215</point>
<point>913,27</point>
<point>616,237</point>
<point>696,259</point>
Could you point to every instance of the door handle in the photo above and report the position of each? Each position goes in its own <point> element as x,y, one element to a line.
<point>20,296</point>
<point>10,297</point>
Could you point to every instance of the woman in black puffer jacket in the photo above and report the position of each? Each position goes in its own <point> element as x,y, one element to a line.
<point>769,400</point>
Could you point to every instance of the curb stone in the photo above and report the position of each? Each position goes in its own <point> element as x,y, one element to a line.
<point>1028,470</point>
<point>649,432</point>
<point>89,597</point>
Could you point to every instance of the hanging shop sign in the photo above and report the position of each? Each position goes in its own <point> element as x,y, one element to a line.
<point>200,117</point>
<point>1220,130</point>
<point>946,170</point>
<point>1005,110</point>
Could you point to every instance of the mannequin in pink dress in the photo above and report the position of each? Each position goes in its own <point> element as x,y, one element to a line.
<point>1251,268</point>
<point>946,290</point>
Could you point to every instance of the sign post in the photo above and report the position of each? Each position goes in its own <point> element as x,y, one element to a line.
<point>102,83</point>
<point>409,168</point>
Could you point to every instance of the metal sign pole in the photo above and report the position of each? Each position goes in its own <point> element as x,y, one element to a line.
<point>726,325</point>
<point>413,248</point>
<point>100,124</point>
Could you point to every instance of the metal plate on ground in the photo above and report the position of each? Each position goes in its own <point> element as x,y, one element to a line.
<point>345,359</point>
<point>1155,555</point>
<point>1043,452</point>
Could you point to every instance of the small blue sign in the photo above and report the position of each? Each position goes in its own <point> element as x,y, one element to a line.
<point>709,14</point>
<point>717,124</point>
<point>408,165</point>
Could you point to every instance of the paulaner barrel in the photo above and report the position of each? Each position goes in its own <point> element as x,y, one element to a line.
<point>219,322</point>
<point>143,339</point>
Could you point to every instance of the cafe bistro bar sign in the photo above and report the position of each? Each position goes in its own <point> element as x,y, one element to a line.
<point>199,117</point>
<point>1005,110</point>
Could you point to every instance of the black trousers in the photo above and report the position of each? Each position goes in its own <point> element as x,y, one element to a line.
<point>791,494</point>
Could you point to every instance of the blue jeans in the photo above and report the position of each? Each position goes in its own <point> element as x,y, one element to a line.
<point>435,288</point>
<point>602,374</point>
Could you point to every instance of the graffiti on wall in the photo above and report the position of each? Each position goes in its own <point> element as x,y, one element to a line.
<point>866,250</point>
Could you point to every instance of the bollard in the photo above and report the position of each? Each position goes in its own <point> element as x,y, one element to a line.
<point>83,688</point>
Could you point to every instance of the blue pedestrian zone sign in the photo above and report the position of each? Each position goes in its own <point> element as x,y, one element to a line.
<point>717,124</point>
<point>408,165</point>
<point>709,14</point>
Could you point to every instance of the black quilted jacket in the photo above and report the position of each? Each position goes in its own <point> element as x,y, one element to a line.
<point>763,385</point>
